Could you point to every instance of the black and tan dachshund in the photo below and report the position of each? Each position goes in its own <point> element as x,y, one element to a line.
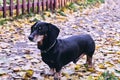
<point>58,52</point>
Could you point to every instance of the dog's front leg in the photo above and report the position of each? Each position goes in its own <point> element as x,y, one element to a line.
<point>57,76</point>
<point>52,71</point>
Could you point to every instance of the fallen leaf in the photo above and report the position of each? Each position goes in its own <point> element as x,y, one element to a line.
<point>109,64</point>
<point>91,69</point>
<point>90,78</point>
<point>77,67</point>
<point>61,18</point>
<point>17,69</point>
<point>48,14</point>
<point>65,74</point>
<point>28,56</point>
<point>29,73</point>
<point>118,52</point>
<point>101,66</point>
<point>27,51</point>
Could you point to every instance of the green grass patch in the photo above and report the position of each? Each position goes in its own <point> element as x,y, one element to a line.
<point>3,21</point>
<point>94,1</point>
<point>108,76</point>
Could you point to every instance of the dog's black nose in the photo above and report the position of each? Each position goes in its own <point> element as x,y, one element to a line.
<point>30,38</point>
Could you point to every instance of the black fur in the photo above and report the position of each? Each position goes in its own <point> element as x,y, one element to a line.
<point>64,50</point>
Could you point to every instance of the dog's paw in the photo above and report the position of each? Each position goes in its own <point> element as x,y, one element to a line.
<point>57,76</point>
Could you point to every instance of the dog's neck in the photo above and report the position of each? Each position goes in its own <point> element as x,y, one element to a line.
<point>48,49</point>
<point>47,45</point>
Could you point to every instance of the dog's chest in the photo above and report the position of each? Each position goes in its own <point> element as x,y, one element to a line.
<point>47,57</point>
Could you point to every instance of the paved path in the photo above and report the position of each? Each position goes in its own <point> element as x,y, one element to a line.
<point>102,23</point>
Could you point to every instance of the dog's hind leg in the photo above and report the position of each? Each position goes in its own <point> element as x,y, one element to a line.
<point>89,62</point>
<point>75,61</point>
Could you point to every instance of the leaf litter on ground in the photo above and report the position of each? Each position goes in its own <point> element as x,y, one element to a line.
<point>20,59</point>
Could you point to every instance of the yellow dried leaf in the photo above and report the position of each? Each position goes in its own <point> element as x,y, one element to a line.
<point>61,17</point>
<point>48,78</point>
<point>118,61</point>
<point>2,74</point>
<point>12,28</point>
<point>115,61</point>
<point>96,22</point>
<point>75,26</point>
<point>110,52</point>
<point>91,69</point>
<point>90,78</point>
<point>97,47</point>
<point>29,74</point>
<point>64,9</point>
<point>68,3</point>
<point>65,74</point>
<point>96,77</point>
<point>97,4</point>
<point>48,14</point>
<point>16,36</point>
<point>79,74</point>
<point>74,77</point>
<point>109,64</point>
<point>101,66</point>
<point>17,24</point>
<point>77,67</point>
<point>1,32</point>
<point>118,52</point>
<point>28,57</point>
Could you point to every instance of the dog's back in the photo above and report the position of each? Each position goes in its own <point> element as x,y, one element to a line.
<point>71,48</point>
<point>84,42</point>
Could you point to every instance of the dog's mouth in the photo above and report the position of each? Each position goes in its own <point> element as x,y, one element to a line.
<point>38,38</point>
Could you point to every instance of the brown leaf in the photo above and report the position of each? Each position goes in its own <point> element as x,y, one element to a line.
<point>27,51</point>
<point>16,69</point>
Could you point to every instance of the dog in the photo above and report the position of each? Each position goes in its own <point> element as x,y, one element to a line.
<point>56,53</point>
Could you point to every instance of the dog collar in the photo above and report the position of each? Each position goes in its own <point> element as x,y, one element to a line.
<point>45,51</point>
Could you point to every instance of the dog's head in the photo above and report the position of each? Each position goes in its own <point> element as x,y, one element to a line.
<point>42,30</point>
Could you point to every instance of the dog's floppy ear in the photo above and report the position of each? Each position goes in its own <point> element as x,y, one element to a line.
<point>53,32</point>
<point>35,24</point>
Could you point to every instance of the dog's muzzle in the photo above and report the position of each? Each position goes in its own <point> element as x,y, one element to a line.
<point>32,36</point>
<point>36,38</point>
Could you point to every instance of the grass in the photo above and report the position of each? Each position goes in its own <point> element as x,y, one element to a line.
<point>93,1</point>
<point>4,20</point>
<point>108,76</point>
